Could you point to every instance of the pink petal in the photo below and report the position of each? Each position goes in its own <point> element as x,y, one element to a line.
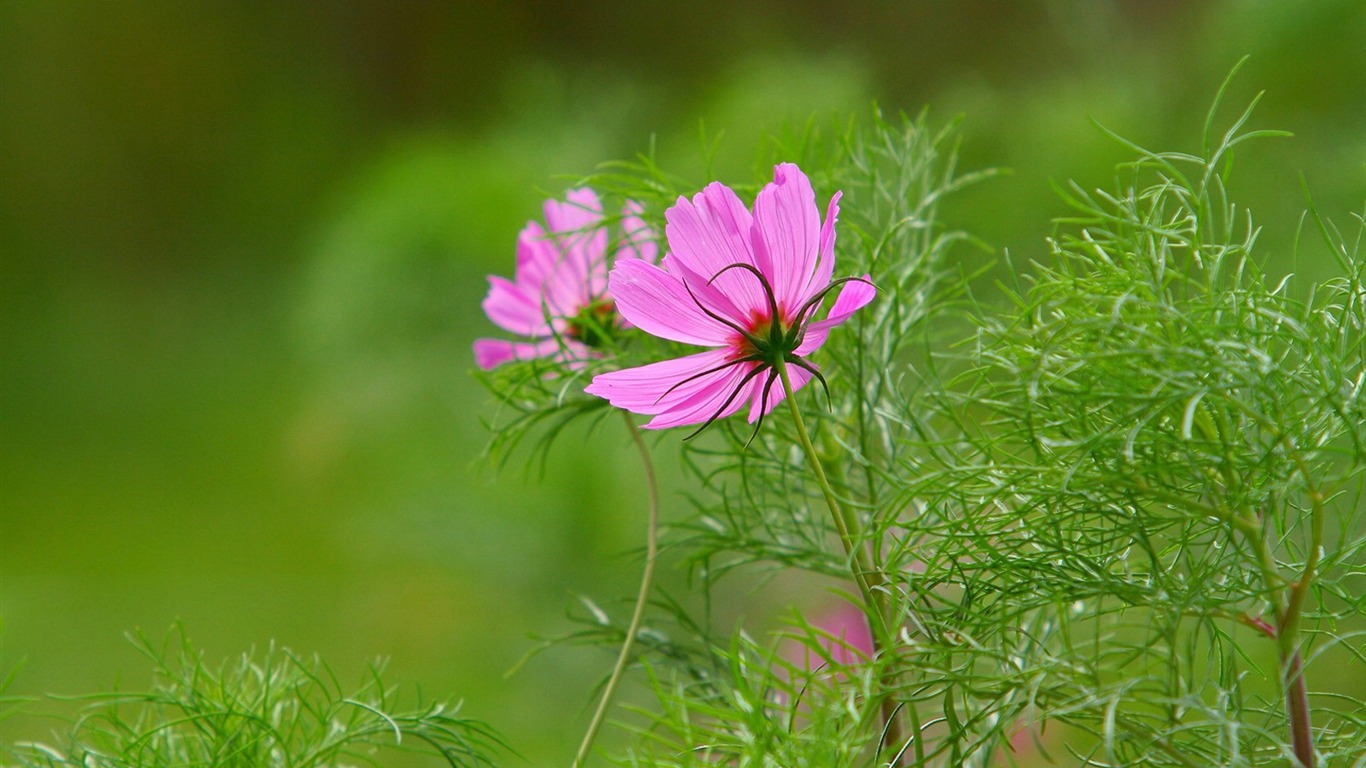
<point>701,290</point>
<point>514,309</point>
<point>786,235</point>
<point>543,273</point>
<point>491,353</point>
<point>685,390</point>
<point>842,636</point>
<point>580,211</point>
<point>575,226</point>
<point>852,641</point>
<point>536,255</point>
<point>657,302</point>
<point>825,267</point>
<point>854,295</point>
<point>638,238</point>
<point>757,405</point>
<point>706,236</point>
<point>638,242</point>
<point>722,393</point>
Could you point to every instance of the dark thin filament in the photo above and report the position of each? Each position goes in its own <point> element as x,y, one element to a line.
<point>763,282</point>
<point>751,338</point>
<point>800,322</point>
<point>811,369</point>
<point>708,372</point>
<point>814,302</point>
<point>763,405</point>
<point>729,399</point>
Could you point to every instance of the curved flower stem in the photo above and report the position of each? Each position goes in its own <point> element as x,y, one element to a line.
<point>845,524</point>
<point>868,580</point>
<point>642,595</point>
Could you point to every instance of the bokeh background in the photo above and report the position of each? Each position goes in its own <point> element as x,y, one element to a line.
<point>243,245</point>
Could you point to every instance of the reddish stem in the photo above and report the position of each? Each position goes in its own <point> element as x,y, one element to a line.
<point>1297,706</point>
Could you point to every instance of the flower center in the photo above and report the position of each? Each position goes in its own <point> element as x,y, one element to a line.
<point>768,339</point>
<point>595,325</point>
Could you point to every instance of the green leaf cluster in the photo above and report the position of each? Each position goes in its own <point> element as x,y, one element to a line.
<point>1116,511</point>
<point>262,710</point>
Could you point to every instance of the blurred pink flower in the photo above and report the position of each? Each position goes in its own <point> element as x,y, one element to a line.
<point>818,661</point>
<point>558,296</point>
<point>838,640</point>
<point>843,637</point>
<point>747,285</point>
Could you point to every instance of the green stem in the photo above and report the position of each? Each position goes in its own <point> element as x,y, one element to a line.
<point>1292,662</point>
<point>846,525</point>
<point>1290,597</point>
<point>1297,707</point>
<point>1292,659</point>
<point>874,600</point>
<point>642,596</point>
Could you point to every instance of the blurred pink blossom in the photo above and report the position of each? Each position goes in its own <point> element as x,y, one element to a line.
<point>843,637</point>
<point>558,298</point>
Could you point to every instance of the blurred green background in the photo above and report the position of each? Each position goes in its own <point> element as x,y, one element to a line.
<point>243,245</point>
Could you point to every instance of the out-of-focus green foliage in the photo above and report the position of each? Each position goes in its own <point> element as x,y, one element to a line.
<point>242,249</point>
<point>271,710</point>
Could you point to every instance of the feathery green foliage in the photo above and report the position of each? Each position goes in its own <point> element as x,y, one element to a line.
<point>1118,517</point>
<point>272,710</point>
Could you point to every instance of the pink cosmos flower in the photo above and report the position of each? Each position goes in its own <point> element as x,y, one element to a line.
<point>558,297</point>
<point>818,666</point>
<point>844,638</point>
<point>746,285</point>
